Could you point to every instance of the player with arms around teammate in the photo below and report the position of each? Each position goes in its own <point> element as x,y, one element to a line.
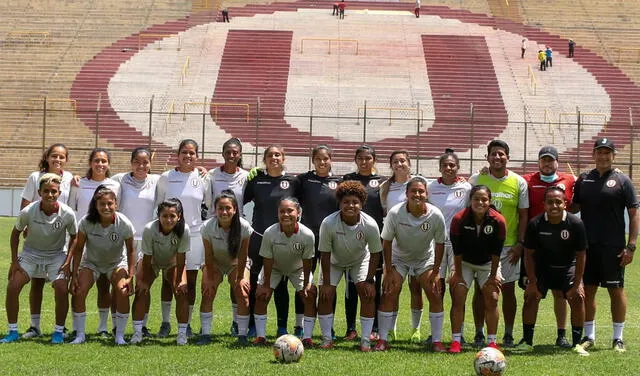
<point>555,245</point>
<point>602,195</point>
<point>43,253</point>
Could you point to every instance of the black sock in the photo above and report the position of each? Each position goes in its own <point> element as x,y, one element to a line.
<point>351,306</point>
<point>576,334</point>
<point>562,333</point>
<point>527,329</point>
<point>299,303</point>
<point>281,300</point>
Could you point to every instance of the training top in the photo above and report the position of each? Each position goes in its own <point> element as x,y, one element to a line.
<point>603,200</point>
<point>221,180</point>
<point>191,189</point>
<point>105,245</point>
<point>537,188</point>
<point>395,195</point>
<point>80,197</point>
<point>265,191</point>
<point>371,183</point>
<point>287,253</point>
<point>477,243</point>
<point>450,199</point>
<point>317,196</point>
<point>137,199</point>
<point>555,245</point>
<point>415,237</point>
<point>349,245</point>
<point>218,238</point>
<point>47,234</point>
<point>161,247</point>
<point>30,190</point>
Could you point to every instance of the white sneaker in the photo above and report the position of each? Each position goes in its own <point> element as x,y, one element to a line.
<point>79,340</point>
<point>181,339</point>
<point>120,341</point>
<point>32,332</point>
<point>136,338</point>
<point>578,349</point>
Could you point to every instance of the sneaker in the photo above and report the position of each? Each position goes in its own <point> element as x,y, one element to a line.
<point>478,340</point>
<point>365,345</point>
<point>507,341</point>
<point>146,333</point>
<point>71,335</point>
<point>374,336</point>
<point>351,335</point>
<point>562,342</point>
<point>57,338</point>
<point>181,339</point>
<point>438,347</point>
<point>298,331</point>
<point>455,348</point>
<point>382,345</point>
<point>189,331</point>
<point>308,343</point>
<point>12,336</point>
<point>522,347</point>
<point>80,339</point>
<point>427,342</point>
<point>415,336</point>
<point>618,346</point>
<point>204,339</point>
<point>136,338</point>
<point>326,344</point>
<point>580,350</point>
<point>242,340</point>
<point>587,343</point>
<point>281,331</point>
<point>251,332</point>
<point>494,345</point>
<point>165,329</point>
<point>120,341</point>
<point>32,332</point>
<point>234,329</point>
<point>104,334</point>
<point>260,341</point>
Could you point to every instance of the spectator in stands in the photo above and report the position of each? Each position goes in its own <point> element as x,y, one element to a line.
<point>416,10</point>
<point>548,52</point>
<point>225,15</point>
<point>543,60</point>
<point>336,9</point>
<point>341,6</point>
<point>572,45</point>
<point>523,47</point>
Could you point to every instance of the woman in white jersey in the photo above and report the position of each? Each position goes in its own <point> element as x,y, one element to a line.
<point>42,254</point>
<point>349,243</point>
<point>184,182</point>
<point>53,161</point>
<point>288,249</point>
<point>165,242</point>
<point>79,199</point>
<point>108,237</point>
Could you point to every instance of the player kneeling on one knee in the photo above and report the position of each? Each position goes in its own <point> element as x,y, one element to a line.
<point>288,248</point>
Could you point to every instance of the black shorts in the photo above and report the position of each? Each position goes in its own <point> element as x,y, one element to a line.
<point>552,278</point>
<point>603,267</point>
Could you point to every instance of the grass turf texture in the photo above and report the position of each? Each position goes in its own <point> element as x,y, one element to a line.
<point>223,357</point>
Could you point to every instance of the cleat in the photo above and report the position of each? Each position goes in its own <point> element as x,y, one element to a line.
<point>438,347</point>
<point>181,339</point>
<point>204,339</point>
<point>351,335</point>
<point>120,341</point>
<point>580,350</point>
<point>234,329</point>
<point>189,331</point>
<point>73,334</point>
<point>259,341</point>
<point>427,342</point>
<point>12,336</point>
<point>65,333</point>
<point>522,347</point>
<point>80,339</point>
<point>326,344</point>
<point>251,332</point>
<point>136,338</point>
<point>494,345</point>
<point>618,346</point>
<point>562,342</point>
<point>146,333</point>
<point>281,332</point>
<point>298,331</point>
<point>455,348</point>
<point>165,329</point>
<point>104,334</point>
<point>57,338</point>
<point>374,336</point>
<point>507,341</point>
<point>32,332</point>
<point>382,345</point>
<point>308,343</point>
<point>365,345</point>
<point>242,340</point>
<point>587,343</point>
<point>478,340</point>
<point>415,336</point>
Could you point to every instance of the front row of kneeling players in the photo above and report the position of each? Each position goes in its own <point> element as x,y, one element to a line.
<point>349,243</point>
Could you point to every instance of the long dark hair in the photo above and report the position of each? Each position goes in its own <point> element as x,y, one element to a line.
<point>188,141</point>
<point>235,231</point>
<point>92,214</point>
<point>44,163</point>
<point>92,155</point>
<point>234,141</point>
<point>177,204</point>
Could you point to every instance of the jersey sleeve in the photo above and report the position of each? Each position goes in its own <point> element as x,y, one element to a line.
<point>83,225</point>
<point>629,192</point>
<point>389,228</point>
<point>324,244</point>
<point>118,177</point>
<point>309,246</point>
<point>208,192</point>
<point>248,192</point>
<point>499,237</point>
<point>161,189</point>
<point>473,179</point>
<point>245,229</point>
<point>580,235</point>
<point>72,224</point>
<point>127,229</point>
<point>147,240</point>
<point>23,219</point>
<point>440,233</point>
<point>373,238</point>
<point>576,189</point>
<point>73,198</point>
<point>265,248</point>
<point>523,194</point>
<point>30,190</point>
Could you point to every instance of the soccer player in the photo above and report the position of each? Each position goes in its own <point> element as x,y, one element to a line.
<point>602,195</point>
<point>53,161</point>
<point>510,197</point>
<point>413,244</point>
<point>538,182</point>
<point>555,245</point>
<point>108,237</point>
<point>226,247</point>
<point>185,183</point>
<point>165,242</point>
<point>43,254</point>
<point>349,243</point>
<point>477,237</point>
<point>287,251</point>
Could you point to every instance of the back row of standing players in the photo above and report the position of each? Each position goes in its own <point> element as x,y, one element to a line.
<point>139,192</point>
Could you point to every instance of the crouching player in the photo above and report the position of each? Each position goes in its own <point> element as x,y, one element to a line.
<point>48,222</point>
<point>413,242</point>
<point>555,245</point>
<point>287,249</point>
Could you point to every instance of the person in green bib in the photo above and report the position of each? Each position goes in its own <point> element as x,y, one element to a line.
<point>510,197</point>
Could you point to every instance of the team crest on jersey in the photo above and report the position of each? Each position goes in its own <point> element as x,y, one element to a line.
<point>425,226</point>
<point>488,230</point>
<point>297,247</point>
<point>564,234</point>
<point>332,185</point>
<point>195,183</point>
<point>611,183</point>
<point>114,237</point>
<point>459,193</point>
<point>174,241</point>
<point>284,184</point>
<point>561,186</point>
<point>56,225</point>
<point>497,204</point>
<point>359,235</point>
<point>373,183</point>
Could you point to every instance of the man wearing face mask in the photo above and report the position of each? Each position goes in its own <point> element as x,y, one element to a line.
<point>538,182</point>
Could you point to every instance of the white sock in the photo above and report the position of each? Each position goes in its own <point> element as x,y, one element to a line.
<point>308,324</point>
<point>13,327</point>
<point>205,322</point>
<point>104,318</point>
<point>58,328</point>
<point>166,310</point>
<point>618,328</point>
<point>79,323</point>
<point>190,314</point>
<point>243,324</point>
<point>416,318</point>
<point>437,320</point>
<point>395,321</point>
<point>114,320</point>
<point>73,322</point>
<point>182,328</point>
<point>299,318</point>
<point>234,310</point>
<point>385,322</point>
<point>326,324</point>
<point>590,329</point>
<point>456,336</point>
<point>137,326</point>
<point>121,324</point>
<point>491,338</point>
<point>366,323</point>
<point>261,325</point>
<point>35,321</point>
<point>145,319</point>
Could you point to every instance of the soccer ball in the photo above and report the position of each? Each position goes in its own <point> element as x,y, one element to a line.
<point>489,362</point>
<point>288,349</point>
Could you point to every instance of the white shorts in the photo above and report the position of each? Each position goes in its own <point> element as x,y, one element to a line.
<point>106,270</point>
<point>510,272</point>
<point>39,267</point>
<point>195,255</point>
<point>480,273</point>
<point>414,268</point>
<point>296,278</point>
<point>357,272</point>
<point>448,259</point>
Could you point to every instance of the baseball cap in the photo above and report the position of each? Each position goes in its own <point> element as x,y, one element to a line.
<point>604,142</point>
<point>548,151</point>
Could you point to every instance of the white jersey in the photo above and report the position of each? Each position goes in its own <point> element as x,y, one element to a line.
<point>221,180</point>
<point>450,199</point>
<point>397,194</point>
<point>105,245</point>
<point>81,196</point>
<point>349,244</point>
<point>137,199</point>
<point>287,252</point>
<point>415,236</point>
<point>219,238</point>
<point>47,233</point>
<point>163,248</point>
<point>191,189</point>
<point>30,190</point>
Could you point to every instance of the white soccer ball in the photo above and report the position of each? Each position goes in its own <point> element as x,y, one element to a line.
<point>489,362</point>
<point>288,349</point>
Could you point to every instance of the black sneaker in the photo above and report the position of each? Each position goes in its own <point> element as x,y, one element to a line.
<point>165,329</point>
<point>146,333</point>
<point>507,341</point>
<point>562,342</point>
<point>618,346</point>
<point>478,340</point>
<point>204,339</point>
<point>32,332</point>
